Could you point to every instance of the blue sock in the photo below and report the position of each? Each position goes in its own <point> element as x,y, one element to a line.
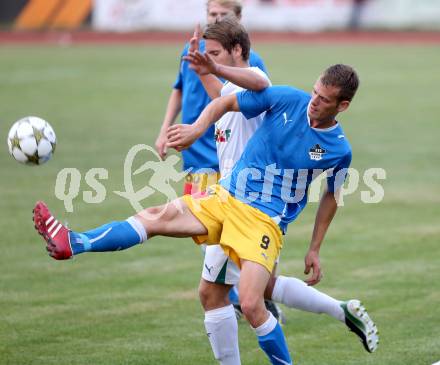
<point>233,295</point>
<point>271,339</point>
<point>113,236</point>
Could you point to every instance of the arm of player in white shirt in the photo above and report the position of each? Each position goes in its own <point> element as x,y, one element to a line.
<point>209,71</point>
<point>181,136</point>
<point>212,85</point>
<point>244,77</point>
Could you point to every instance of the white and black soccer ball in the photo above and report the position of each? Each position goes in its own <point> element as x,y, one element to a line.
<point>31,141</point>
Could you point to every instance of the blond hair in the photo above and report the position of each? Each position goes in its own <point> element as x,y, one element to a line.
<point>234,5</point>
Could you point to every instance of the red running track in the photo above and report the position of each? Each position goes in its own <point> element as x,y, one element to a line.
<point>89,37</point>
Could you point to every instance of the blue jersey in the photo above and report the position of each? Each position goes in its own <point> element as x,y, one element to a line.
<point>285,154</point>
<point>203,153</point>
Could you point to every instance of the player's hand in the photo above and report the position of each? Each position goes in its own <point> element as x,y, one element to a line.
<point>161,145</point>
<point>201,63</point>
<point>181,136</point>
<point>195,40</point>
<point>312,263</point>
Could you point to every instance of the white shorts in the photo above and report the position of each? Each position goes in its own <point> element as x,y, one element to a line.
<point>218,267</point>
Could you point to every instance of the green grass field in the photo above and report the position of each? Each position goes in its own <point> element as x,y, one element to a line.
<point>141,306</point>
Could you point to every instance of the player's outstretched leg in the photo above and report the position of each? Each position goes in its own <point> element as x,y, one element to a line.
<point>294,293</point>
<point>62,243</point>
<point>358,321</point>
<point>54,233</point>
<point>173,219</point>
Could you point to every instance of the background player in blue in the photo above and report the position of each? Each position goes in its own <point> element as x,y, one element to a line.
<point>248,213</point>
<point>189,97</point>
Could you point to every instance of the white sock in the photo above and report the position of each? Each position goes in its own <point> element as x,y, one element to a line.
<point>294,293</point>
<point>222,330</point>
<point>138,227</point>
<point>267,327</point>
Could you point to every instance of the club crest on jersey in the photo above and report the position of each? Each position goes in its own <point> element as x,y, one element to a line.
<point>222,135</point>
<point>316,153</point>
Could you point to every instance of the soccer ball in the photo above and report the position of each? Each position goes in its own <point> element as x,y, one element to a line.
<point>31,141</point>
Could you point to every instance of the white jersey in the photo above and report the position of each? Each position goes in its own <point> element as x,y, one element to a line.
<point>233,130</point>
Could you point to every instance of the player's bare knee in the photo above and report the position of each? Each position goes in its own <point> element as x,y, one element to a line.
<point>249,306</point>
<point>153,218</point>
<point>151,214</point>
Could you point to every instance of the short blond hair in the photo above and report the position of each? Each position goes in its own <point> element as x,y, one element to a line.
<point>234,5</point>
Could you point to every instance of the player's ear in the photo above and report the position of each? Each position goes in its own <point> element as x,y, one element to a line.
<point>343,106</point>
<point>237,51</point>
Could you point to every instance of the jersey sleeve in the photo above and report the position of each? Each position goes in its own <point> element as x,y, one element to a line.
<point>178,84</point>
<point>253,103</point>
<point>337,179</point>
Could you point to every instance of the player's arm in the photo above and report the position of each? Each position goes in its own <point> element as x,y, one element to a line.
<point>324,216</point>
<point>212,85</point>
<point>173,109</point>
<point>243,77</point>
<point>182,136</point>
<point>209,71</point>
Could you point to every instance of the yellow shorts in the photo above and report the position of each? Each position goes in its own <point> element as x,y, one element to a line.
<point>244,232</point>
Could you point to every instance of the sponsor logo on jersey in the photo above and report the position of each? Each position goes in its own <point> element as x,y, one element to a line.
<point>222,135</point>
<point>316,152</point>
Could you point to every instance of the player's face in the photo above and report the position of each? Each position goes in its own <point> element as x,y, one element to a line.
<point>218,53</point>
<point>216,11</point>
<point>325,104</point>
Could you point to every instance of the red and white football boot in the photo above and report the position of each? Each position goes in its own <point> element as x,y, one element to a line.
<point>54,233</point>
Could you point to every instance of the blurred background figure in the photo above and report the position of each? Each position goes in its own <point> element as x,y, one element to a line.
<point>356,13</point>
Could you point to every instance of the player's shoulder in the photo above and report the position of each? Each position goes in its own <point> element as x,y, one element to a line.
<point>289,93</point>
<point>256,60</point>
<point>292,90</point>
<point>254,55</point>
<point>343,144</point>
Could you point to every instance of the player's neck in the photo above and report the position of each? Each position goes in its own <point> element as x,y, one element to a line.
<point>241,63</point>
<point>322,124</point>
